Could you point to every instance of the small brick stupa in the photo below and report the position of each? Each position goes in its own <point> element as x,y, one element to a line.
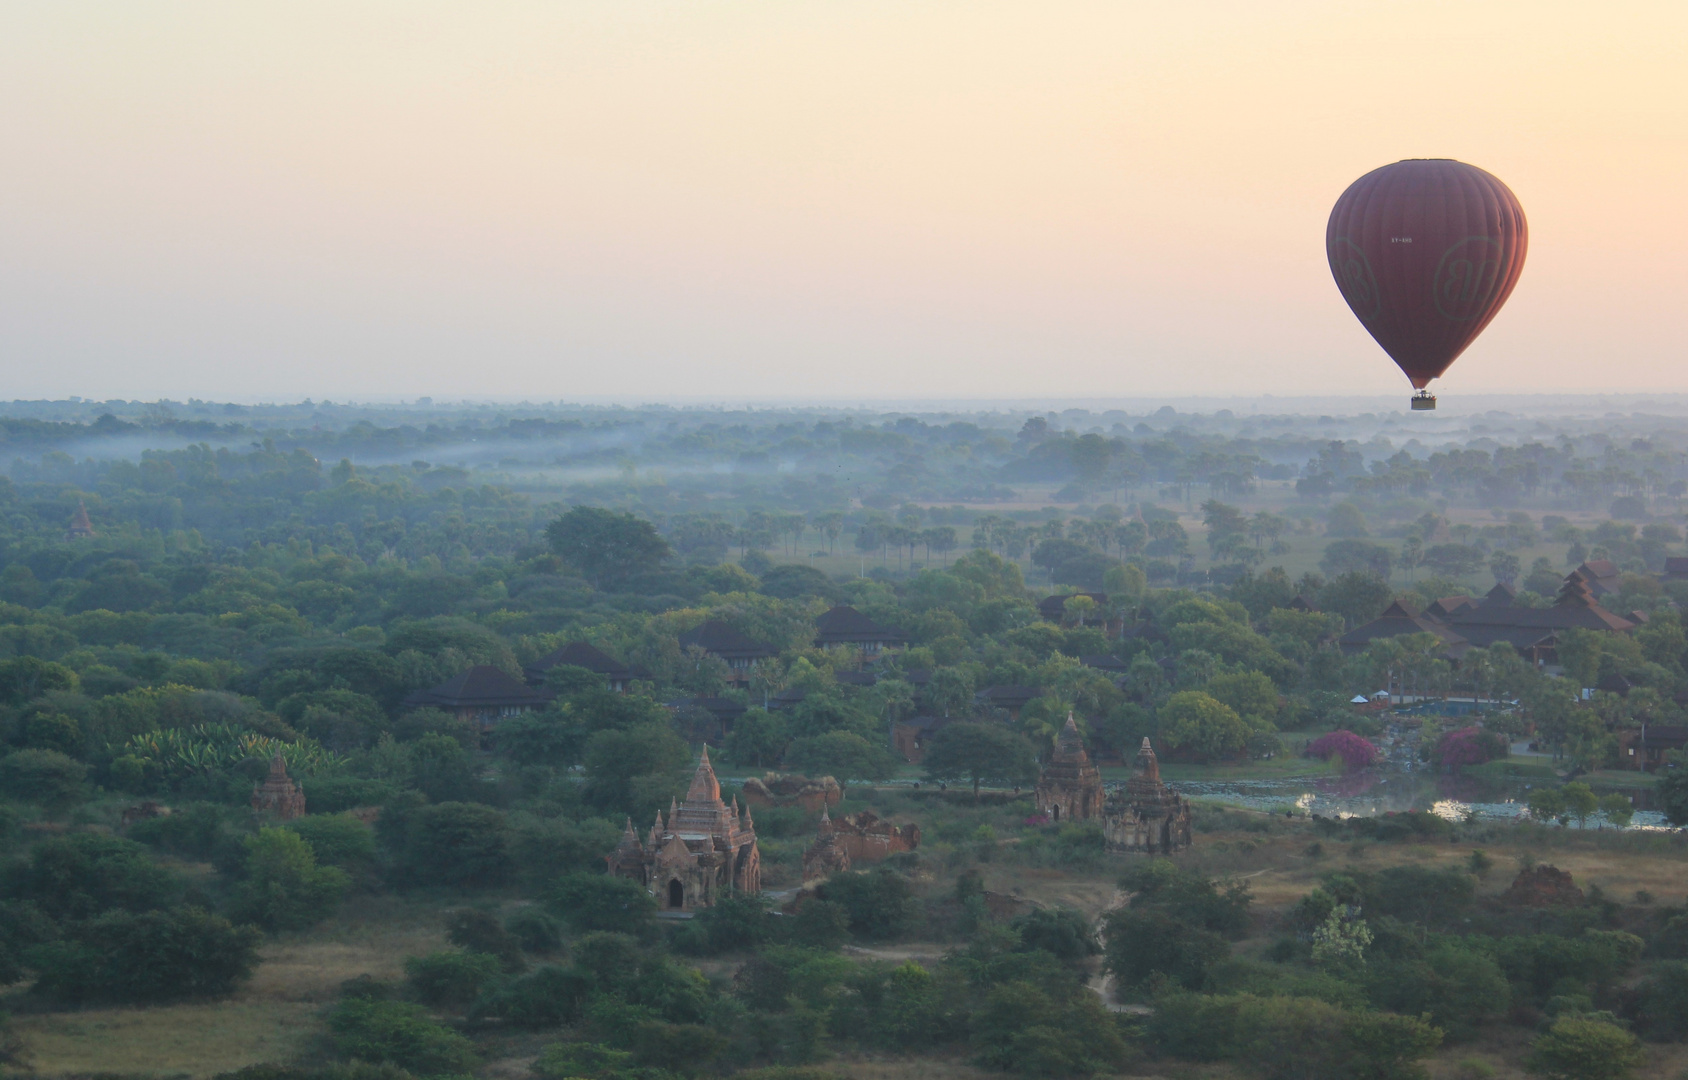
<point>1070,787</point>
<point>278,794</point>
<point>80,527</point>
<point>825,856</point>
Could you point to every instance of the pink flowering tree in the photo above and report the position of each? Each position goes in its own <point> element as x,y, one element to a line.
<point>1355,752</point>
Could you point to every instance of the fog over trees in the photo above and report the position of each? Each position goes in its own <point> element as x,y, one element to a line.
<point>486,645</point>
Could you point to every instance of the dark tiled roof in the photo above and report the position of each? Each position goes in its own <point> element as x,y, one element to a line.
<point>717,637</point>
<point>1601,575</point>
<point>856,678</point>
<point>482,686</point>
<point>1397,620</point>
<point>785,699</point>
<point>1676,566</point>
<point>844,625</point>
<point>1104,662</point>
<point>580,654</point>
<point>1447,605</point>
<point>1501,595</point>
<point>1493,620</point>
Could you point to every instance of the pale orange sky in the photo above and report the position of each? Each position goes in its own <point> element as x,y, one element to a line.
<point>651,201</point>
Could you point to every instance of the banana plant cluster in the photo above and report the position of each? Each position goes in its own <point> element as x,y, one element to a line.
<point>179,752</point>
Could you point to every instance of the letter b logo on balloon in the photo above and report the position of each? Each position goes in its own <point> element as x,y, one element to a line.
<point>1353,274</point>
<point>1466,278</point>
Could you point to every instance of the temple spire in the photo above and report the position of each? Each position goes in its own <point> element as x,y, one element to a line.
<point>705,788</point>
<point>1146,756</point>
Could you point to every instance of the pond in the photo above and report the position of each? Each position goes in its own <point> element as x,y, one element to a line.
<point>1401,782</point>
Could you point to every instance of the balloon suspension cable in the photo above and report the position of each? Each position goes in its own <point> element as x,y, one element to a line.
<point>1424,400</point>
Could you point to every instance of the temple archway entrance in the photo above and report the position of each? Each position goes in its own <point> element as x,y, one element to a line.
<point>1056,812</point>
<point>676,894</point>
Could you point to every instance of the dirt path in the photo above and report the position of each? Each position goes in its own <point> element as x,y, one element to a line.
<point>901,953</point>
<point>1102,982</point>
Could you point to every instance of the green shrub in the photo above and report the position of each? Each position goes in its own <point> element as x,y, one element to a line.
<point>158,956</point>
<point>1457,987</point>
<point>1581,1048</point>
<point>736,921</point>
<point>589,902</point>
<point>1023,1028</point>
<point>1061,932</point>
<point>610,959</point>
<point>534,931</point>
<point>880,904</point>
<point>544,848</point>
<point>479,932</point>
<point>1664,1002</point>
<point>80,875</point>
<point>329,795</point>
<point>201,831</point>
<point>1285,1038</point>
<point>821,924</point>
<point>399,1033</point>
<point>284,888</point>
<point>336,839</point>
<point>1543,963</point>
<point>1143,944</point>
<point>1291,1038</point>
<point>1161,885</point>
<point>456,843</point>
<point>357,1070</point>
<point>590,1061</point>
<point>22,927</point>
<point>546,997</point>
<point>48,777</point>
<point>450,978</point>
<point>1194,1027</point>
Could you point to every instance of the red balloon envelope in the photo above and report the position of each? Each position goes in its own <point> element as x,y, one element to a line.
<point>1426,251</point>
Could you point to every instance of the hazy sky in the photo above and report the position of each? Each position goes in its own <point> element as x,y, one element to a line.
<point>807,199</point>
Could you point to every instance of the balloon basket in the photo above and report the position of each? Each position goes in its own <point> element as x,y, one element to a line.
<point>1424,401</point>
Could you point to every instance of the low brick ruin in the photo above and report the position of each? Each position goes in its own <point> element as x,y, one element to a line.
<point>787,789</point>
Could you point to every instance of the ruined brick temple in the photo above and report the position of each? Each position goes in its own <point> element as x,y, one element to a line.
<point>278,794</point>
<point>788,789</point>
<point>704,849</point>
<point>1070,786</point>
<point>1151,818</point>
<point>858,838</point>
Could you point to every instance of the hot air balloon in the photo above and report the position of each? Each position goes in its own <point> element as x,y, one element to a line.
<point>1425,252</point>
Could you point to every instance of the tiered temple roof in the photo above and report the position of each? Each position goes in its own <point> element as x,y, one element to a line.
<point>1152,819</point>
<point>1070,785</point>
<point>702,849</point>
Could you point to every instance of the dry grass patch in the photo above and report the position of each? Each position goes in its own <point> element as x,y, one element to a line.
<point>198,1040</point>
<point>275,1017</point>
<point>925,1068</point>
